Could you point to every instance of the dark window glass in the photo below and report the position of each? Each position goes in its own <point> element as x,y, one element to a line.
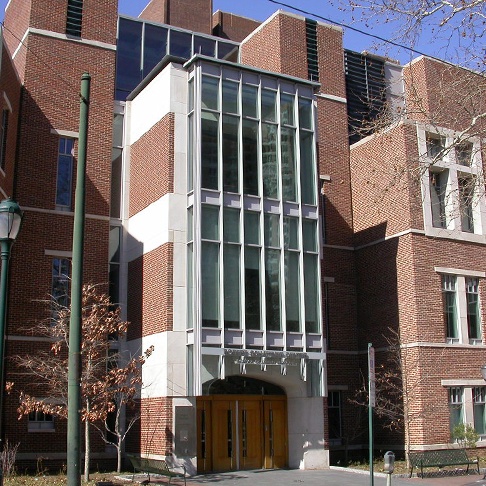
<point>154,46</point>
<point>228,52</point>
<point>180,44</point>
<point>307,169</point>
<point>269,160</point>
<point>205,46</point>
<point>230,153</point>
<point>272,289</point>
<point>289,164</point>
<point>128,55</point>
<point>252,288</point>
<point>61,271</point>
<point>209,151</point>
<point>250,157</point>
<point>64,173</point>
<point>438,188</point>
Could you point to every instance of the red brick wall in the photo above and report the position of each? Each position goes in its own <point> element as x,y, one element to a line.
<point>233,27</point>
<point>331,60</point>
<point>152,159</point>
<point>193,15</point>
<point>150,294</point>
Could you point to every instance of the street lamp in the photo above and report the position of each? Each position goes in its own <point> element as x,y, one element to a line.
<point>10,219</point>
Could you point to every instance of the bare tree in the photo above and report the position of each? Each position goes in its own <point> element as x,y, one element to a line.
<point>110,378</point>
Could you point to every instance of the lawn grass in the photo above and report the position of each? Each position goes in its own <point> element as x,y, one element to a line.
<point>58,479</point>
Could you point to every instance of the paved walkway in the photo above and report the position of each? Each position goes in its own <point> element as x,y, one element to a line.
<point>328,477</point>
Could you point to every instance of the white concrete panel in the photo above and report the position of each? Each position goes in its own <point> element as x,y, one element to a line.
<point>176,361</point>
<point>178,210</point>
<point>180,173</point>
<point>155,368</point>
<point>306,433</point>
<point>180,309</point>
<point>179,264</point>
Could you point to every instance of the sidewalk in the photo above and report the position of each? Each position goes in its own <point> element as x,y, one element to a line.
<point>328,477</point>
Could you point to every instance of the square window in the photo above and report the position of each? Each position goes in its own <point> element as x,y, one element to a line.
<point>435,145</point>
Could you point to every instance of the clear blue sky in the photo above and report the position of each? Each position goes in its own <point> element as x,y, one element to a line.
<point>262,9</point>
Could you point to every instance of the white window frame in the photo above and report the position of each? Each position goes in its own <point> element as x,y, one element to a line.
<point>447,161</point>
<point>462,277</point>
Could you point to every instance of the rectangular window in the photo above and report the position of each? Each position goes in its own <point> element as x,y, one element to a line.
<point>473,315</point>
<point>250,157</point>
<point>335,422</point>
<point>252,288</point>
<point>231,264</point>
<point>449,295</point>
<point>3,138</point>
<point>65,159</point>
<point>466,202</point>
<point>230,153</point>
<point>210,284</point>
<point>292,291</point>
<point>74,18</point>
<point>209,150</point>
<point>435,145</point>
<point>438,188</point>
<point>61,271</point>
<point>40,421</point>
<point>464,152</point>
<point>479,399</point>
<point>456,406</point>
<point>272,289</point>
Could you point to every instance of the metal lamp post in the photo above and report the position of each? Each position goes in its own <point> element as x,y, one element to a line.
<point>10,219</point>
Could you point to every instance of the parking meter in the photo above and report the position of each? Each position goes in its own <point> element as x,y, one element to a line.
<point>389,462</point>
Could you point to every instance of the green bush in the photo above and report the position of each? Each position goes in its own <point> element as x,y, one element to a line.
<point>465,435</point>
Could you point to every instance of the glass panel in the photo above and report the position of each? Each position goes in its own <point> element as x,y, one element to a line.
<point>116,182</point>
<point>154,46</point>
<point>114,250</point>
<point>190,222</point>
<point>209,150</point>
<point>305,113</point>
<point>190,154</point>
<point>473,313</point>
<point>230,97</point>
<point>227,51</point>
<point>287,109</point>
<point>231,261</point>
<point>230,153</point>
<point>252,288</point>
<point>64,172</point>
<point>210,284</point>
<point>435,145</point>
<point>180,44</point>
<point>307,169</point>
<point>291,233</point>
<point>190,91</point>
<point>231,225</point>
<point>292,291</point>
<point>311,289</point>
<point>464,152</point>
<point>128,56</point>
<point>117,130</point>
<point>272,230</point>
<point>450,307</point>
<point>250,101</point>
<point>209,222</point>
<point>269,161</point>
<point>466,202</point>
<point>204,46</point>
<point>252,228</point>
<point>61,270</point>
<point>289,169</point>
<point>272,289</point>
<point>269,104</point>
<point>210,93</point>
<point>250,157</point>
<point>190,287</point>
<point>438,187</point>
<point>309,234</point>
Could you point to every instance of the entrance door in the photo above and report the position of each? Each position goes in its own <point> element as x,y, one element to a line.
<point>241,432</point>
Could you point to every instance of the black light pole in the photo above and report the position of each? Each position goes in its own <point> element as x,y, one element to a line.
<point>10,219</point>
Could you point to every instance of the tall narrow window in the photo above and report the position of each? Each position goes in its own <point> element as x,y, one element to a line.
<point>466,202</point>
<point>74,18</point>
<point>434,144</point>
<point>464,152</point>
<point>334,410</point>
<point>456,406</point>
<point>438,187</point>
<point>473,315</point>
<point>479,398</point>
<point>3,138</point>
<point>449,292</point>
<point>64,174</point>
<point>61,271</point>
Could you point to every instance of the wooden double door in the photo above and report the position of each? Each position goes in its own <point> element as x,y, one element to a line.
<point>241,432</point>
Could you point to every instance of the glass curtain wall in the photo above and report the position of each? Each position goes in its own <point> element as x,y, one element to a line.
<point>253,183</point>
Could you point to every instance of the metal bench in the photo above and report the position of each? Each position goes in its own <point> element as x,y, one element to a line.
<point>155,466</point>
<point>441,458</point>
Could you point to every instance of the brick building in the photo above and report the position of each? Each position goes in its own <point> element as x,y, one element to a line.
<point>250,231</point>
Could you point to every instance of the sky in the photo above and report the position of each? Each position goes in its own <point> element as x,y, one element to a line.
<point>262,9</point>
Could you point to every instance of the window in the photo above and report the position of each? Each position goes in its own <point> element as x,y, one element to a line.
<point>64,187</point>
<point>3,138</point>
<point>438,188</point>
<point>456,406</point>
<point>452,186</point>
<point>435,145</point>
<point>74,18</point>
<point>462,318</point>
<point>335,422</point>
<point>61,270</point>
<point>479,400</point>
<point>40,421</point>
